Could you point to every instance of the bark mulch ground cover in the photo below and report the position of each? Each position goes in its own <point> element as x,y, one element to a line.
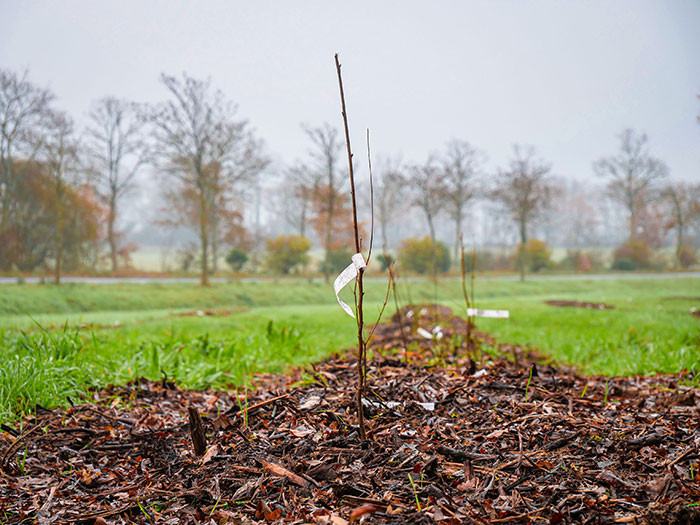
<point>502,439</point>
<point>579,304</point>
<point>213,312</point>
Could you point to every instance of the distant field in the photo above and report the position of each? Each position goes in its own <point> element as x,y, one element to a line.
<point>58,341</point>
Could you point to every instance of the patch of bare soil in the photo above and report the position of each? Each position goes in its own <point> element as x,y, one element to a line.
<point>579,304</point>
<point>210,312</point>
<point>504,439</point>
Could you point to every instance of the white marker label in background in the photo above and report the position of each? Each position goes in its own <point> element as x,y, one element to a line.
<point>501,314</point>
<point>424,333</point>
<point>347,275</point>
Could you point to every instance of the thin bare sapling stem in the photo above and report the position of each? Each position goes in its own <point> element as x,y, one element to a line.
<point>361,351</point>
<point>465,293</point>
<point>392,279</point>
<point>471,343</point>
<point>471,319</point>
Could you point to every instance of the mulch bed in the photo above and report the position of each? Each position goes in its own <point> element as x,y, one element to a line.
<point>579,304</point>
<point>210,312</point>
<point>506,439</point>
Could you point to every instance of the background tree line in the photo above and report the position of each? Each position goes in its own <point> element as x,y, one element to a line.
<point>520,199</point>
<point>64,190</point>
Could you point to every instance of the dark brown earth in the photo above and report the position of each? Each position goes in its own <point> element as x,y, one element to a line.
<point>505,438</point>
<point>578,304</point>
<point>211,312</point>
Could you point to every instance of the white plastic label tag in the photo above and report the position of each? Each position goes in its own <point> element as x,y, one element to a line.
<point>424,333</point>
<point>475,312</point>
<point>347,275</point>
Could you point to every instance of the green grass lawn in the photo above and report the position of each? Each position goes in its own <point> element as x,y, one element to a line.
<point>94,335</point>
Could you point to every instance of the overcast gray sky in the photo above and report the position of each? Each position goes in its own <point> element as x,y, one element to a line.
<point>566,77</point>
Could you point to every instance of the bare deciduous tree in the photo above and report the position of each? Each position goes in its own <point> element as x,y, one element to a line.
<point>389,193</point>
<point>300,185</point>
<point>461,165</point>
<point>525,191</point>
<point>582,221</point>
<point>684,212</point>
<point>230,189</point>
<point>60,155</point>
<point>23,112</point>
<point>632,175</point>
<point>429,188</point>
<point>428,184</point>
<point>117,150</point>
<point>327,150</point>
<point>206,148</point>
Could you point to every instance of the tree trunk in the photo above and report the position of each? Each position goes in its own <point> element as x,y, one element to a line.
<point>302,219</point>
<point>521,250</point>
<point>111,237</point>
<point>214,245</point>
<point>59,232</point>
<point>458,232</point>
<point>431,227</point>
<point>204,239</point>
<point>633,222</point>
<point>433,263</point>
<point>385,241</point>
<point>679,245</point>
<point>329,227</point>
<point>4,213</point>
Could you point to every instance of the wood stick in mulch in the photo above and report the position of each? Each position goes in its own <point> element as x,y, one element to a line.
<point>279,470</point>
<point>199,440</point>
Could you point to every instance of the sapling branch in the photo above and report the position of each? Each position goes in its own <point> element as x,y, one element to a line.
<point>371,242</point>
<point>383,307</point>
<point>473,273</point>
<point>471,344</point>
<point>371,200</point>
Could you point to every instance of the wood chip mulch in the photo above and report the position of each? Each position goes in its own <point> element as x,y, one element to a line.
<point>505,439</point>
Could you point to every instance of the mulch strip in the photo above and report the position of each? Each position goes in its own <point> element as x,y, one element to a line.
<point>211,312</point>
<point>579,304</point>
<point>503,439</point>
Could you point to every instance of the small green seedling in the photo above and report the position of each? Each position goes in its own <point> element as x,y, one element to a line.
<point>527,387</point>
<point>605,400</point>
<point>415,493</point>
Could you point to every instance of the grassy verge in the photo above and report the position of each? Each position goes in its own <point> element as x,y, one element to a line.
<point>274,325</point>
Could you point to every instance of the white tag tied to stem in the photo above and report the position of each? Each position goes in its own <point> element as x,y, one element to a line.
<point>347,275</point>
<point>499,314</point>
